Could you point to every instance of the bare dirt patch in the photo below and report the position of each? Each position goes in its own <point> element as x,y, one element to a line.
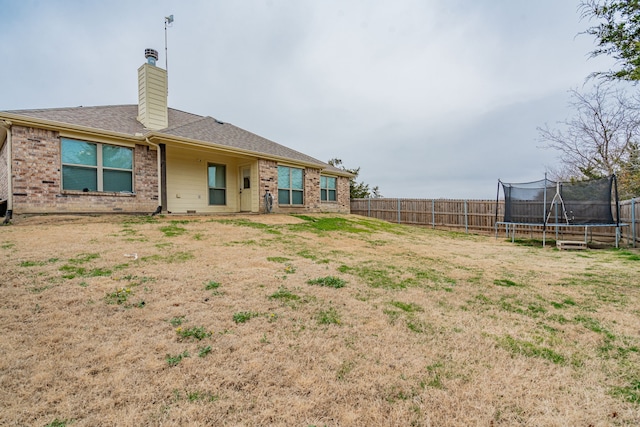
<point>309,320</point>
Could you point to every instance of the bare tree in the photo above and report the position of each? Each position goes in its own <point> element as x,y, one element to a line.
<point>601,138</point>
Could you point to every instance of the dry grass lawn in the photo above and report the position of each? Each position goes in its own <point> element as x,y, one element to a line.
<point>320,320</point>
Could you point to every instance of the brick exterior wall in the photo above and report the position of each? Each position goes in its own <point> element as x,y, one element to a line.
<point>268,174</point>
<point>312,189</point>
<point>4,173</point>
<point>268,178</point>
<point>37,179</point>
<point>343,202</point>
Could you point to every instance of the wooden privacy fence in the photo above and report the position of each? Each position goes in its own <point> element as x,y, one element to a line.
<point>479,216</point>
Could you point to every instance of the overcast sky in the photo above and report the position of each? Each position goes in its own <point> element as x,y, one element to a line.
<point>430,98</point>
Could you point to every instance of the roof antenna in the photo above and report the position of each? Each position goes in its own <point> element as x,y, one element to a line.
<point>167,20</point>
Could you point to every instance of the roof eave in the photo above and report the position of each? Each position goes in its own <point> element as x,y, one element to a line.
<point>340,173</point>
<point>159,137</point>
<point>156,137</point>
<point>17,119</point>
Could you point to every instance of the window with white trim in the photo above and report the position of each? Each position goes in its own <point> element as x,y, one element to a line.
<point>90,166</point>
<point>217,175</point>
<point>328,188</point>
<point>290,186</point>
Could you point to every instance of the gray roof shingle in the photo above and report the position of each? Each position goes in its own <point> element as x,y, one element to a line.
<point>122,119</point>
<point>210,130</point>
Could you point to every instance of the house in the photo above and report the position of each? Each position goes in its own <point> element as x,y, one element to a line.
<point>148,158</point>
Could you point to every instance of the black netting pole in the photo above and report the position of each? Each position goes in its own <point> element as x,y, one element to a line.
<point>615,192</point>
<point>544,208</point>
<point>497,199</point>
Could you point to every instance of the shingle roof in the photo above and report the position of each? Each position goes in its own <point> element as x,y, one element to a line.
<point>210,130</point>
<point>122,119</point>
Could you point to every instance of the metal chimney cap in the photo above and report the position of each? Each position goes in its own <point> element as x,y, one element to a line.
<point>151,55</point>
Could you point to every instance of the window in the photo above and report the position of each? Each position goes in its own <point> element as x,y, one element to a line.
<point>327,189</point>
<point>88,166</point>
<point>290,186</point>
<point>217,184</point>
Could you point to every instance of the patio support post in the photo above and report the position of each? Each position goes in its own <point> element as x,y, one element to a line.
<point>163,176</point>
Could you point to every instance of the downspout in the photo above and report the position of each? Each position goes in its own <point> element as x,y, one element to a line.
<point>7,125</point>
<point>159,161</point>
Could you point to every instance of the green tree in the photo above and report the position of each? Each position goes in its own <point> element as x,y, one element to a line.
<point>617,34</point>
<point>629,174</point>
<point>357,190</point>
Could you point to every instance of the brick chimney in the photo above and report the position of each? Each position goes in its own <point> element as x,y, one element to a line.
<point>152,93</point>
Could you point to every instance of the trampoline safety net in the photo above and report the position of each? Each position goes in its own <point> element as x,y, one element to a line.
<point>546,202</point>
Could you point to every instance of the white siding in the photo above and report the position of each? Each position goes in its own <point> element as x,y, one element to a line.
<point>187,188</point>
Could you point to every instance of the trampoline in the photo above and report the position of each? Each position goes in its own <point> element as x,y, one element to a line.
<point>556,204</point>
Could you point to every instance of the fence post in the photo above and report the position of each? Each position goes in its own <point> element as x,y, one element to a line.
<point>433,213</point>
<point>398,210</point>
<point>369,208</point>
<point>466,218</point>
